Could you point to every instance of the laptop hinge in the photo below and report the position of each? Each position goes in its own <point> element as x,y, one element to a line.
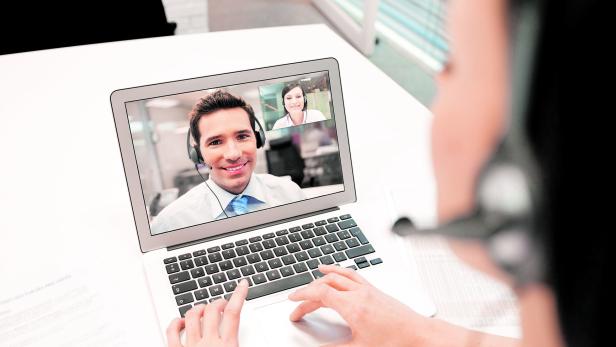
<point>255,227</point>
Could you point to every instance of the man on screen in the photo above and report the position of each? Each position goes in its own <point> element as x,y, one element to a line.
<point>224,130</point>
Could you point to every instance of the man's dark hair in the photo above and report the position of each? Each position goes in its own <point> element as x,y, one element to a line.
<point>219,100</point>
<point>287,88</point>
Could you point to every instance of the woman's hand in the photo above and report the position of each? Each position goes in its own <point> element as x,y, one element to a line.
<point>216,324</point>
<point>375,318</point>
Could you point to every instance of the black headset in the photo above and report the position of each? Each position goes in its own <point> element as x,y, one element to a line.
<point>508,191</point>
<point>194,153</point>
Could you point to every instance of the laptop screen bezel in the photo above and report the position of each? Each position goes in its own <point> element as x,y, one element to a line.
<point>149,242</point>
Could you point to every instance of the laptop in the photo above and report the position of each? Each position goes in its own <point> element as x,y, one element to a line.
<point>287,165</point>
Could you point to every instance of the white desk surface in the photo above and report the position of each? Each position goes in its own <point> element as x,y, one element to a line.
<point>63,194</point>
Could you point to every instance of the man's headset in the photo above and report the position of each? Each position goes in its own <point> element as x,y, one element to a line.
<point>195,155</point>
<point>508,193</point>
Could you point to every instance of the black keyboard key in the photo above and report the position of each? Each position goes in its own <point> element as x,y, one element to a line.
<point>306,244</point>
<point>340,246</point>
<point>331,228</point>
<point>199,253</point>
<point>300,267</point>
<point>187,264</point>
<point>314,253</point>
<point>282,232</point>
<point>205,282</point>
<point>247,280</point>
<point>295,229</point>
<point>184,299</point>
<point>319,241</point>
<point>269,236</point>
<point>332,220</point>
<point>184,287</point>
<point>233,274</point>
<point>184,309</point>
<point>267,244</point>
<point>241,242</point>
<point>198,272</point>
<point>359,251</point>
<point>274,263</point>
<point>327,260</point>
<point>228,245</point>
<point>261,267</point>
<point>319,231</point>
<point>255,247</point>
<point>230,286</point>
<point>239,262</point>
<point>345,216</point>
<point>211,269</point>
<point>346,224</point>
<point>292,248</point>
<point>170,260</point>
<point>363,265</point>
<point>317,274</point>
<point>331,238</point>
<point>288,259</point>
<point>247,270</point>
<point>255,239</point>
<point>219,277</point>
<point>278,286</point>
<point>202,302</point>
<point>185,256</point>
<point>301,256</point>
<point>225,265</point>
<point>201,261</point>
<point>376,261</point>
<point>201,294</point>
<point>259,278</point>
<point>295,237</point>
<point>287,271</point>
<point>339,257</point>
<point>360,260</point>
<point>172,268</point>
<point>243,250</point>
<point>267,254</point>
<point>319,223</point>
<point>312,263</point>
<point>228,254</point>
<point>214,257</point>
<point>273,275</point>
<point>360,236</point>
<point>282,240</point>
<point>253,258</point>
<point>179,277</point>
<point>214,299</point>
<point>343,235</point>
<point>307,234</point>
<point>352,267</point>
<point>213,249</point>
<point>308,226</point>
<point>216,291</point>
<point>352,242</point>
<point>327,249</point>
<point>280,251</point>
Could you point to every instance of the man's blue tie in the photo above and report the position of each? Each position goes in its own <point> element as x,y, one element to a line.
<point>239,205</point>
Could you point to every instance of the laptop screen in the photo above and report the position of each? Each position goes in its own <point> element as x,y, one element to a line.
<point>208,155</point>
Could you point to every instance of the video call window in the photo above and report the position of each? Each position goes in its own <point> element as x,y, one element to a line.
<point>233,175</point>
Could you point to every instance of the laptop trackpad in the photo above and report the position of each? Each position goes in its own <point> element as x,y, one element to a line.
<point>319,327</point>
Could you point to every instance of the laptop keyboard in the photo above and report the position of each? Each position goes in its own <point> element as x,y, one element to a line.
<point>271,263</point>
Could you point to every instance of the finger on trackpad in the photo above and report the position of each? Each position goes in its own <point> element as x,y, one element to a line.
<point>319,327</point>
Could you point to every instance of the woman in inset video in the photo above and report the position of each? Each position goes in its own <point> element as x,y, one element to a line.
<point>296,108</point>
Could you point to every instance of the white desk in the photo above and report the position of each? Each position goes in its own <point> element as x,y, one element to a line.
<point>63,193</point>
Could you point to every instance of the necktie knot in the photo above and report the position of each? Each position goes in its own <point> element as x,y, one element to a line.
<point>239,205</point>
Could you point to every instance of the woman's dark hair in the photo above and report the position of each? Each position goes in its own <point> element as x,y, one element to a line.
<point>287,88</point>
<point>219,100</point>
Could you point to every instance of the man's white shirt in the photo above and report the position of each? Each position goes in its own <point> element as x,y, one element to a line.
<point>199,205</point>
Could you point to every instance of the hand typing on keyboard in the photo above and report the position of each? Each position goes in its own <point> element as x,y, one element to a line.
<point>210,325</point>
<point>375,318</point>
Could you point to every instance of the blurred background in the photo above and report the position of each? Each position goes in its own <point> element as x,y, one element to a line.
<point>307,154</point>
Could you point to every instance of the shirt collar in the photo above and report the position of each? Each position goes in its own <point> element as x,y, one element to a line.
<point>253,189</point>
